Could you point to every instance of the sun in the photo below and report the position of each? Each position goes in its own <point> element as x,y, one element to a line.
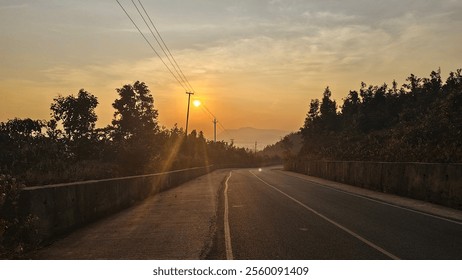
<point>197,103</point>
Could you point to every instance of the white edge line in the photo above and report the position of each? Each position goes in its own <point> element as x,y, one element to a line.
<point>229,249</point>
<point>373,199</point>
<point>378,248</point>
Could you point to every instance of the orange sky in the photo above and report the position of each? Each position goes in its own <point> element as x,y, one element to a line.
<point>252,63</point>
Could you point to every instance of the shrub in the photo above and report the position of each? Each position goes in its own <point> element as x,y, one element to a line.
<point>18,232</point>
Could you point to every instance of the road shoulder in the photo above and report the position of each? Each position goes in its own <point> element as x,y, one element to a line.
<point>397,201</point>
<point>179,223</point>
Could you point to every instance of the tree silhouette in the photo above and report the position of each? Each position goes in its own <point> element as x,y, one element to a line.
<point>77,114</point>
<point>313,115</point>
<point>421,121</point>
<point>328,111</point>
<point>20,141</point>
<point>78,118</point>
<point>135,128</point>
<point>134,111</point>
<point>350,110</point>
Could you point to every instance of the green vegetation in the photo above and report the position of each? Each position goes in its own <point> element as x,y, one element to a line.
<point>419,122</point>
<point>17,231</point>
<point>68,147</point>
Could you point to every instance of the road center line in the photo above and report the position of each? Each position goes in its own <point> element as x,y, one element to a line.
<point>378,248</point>
<point>229,249</point>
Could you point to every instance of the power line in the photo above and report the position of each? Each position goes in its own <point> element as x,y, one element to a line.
<point>149,43</point>
<point>180,75</point>
<point>215,120</point>
<point>165,45</point>
<point>219,123</point>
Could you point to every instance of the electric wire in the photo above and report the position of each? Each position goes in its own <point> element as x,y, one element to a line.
<point>165,45</point>
<point>169,57</point>
<point>149,43</point>
<point>218,122</point>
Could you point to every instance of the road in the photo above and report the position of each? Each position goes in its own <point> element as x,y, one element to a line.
<point>267,214</point>
<point>275,215</point>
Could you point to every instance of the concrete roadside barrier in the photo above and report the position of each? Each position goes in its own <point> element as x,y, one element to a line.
<point>433,182</point>
<point>64,207</point>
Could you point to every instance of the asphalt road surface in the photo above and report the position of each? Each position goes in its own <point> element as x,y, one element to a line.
<point>267,214</point>
<point>274,214</point>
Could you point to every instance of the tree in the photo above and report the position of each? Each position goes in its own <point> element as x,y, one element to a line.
<point>350,110</point>
<point>313,113</point>
<point>434,83</point>
<point>136,133</point>
<point>287,145</point>
<point>311,117</point>
<point>135,114</point>
<point>20,142</point>
<point>328,111</point>
<point>421,121</point>
<point>76,113</point>
<point>24,128</point>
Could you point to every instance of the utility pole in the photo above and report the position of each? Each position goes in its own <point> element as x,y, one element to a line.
<point>215,130</point>
<point>187,114</point>
<point>255,147</point>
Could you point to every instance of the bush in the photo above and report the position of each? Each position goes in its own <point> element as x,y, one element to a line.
<point>18,233</point>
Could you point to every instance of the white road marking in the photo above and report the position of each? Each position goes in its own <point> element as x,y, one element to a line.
<point>374,200</point>
<point>229,249</point>
<point>378,248</point>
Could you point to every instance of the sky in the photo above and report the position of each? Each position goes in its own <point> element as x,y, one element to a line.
<point>253,63</point>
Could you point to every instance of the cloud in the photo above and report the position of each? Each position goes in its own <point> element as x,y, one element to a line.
<point>13,7</point>
<point>328,16</point>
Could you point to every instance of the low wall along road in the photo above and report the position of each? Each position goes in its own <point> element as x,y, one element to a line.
<point>433,182</point>
<point>63,207</point>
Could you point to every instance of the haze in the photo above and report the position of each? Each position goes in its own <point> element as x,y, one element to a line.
<point>253,63</point>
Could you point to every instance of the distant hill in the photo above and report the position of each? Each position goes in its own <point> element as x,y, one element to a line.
<point>247,136</point>
<point>295,143</point>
